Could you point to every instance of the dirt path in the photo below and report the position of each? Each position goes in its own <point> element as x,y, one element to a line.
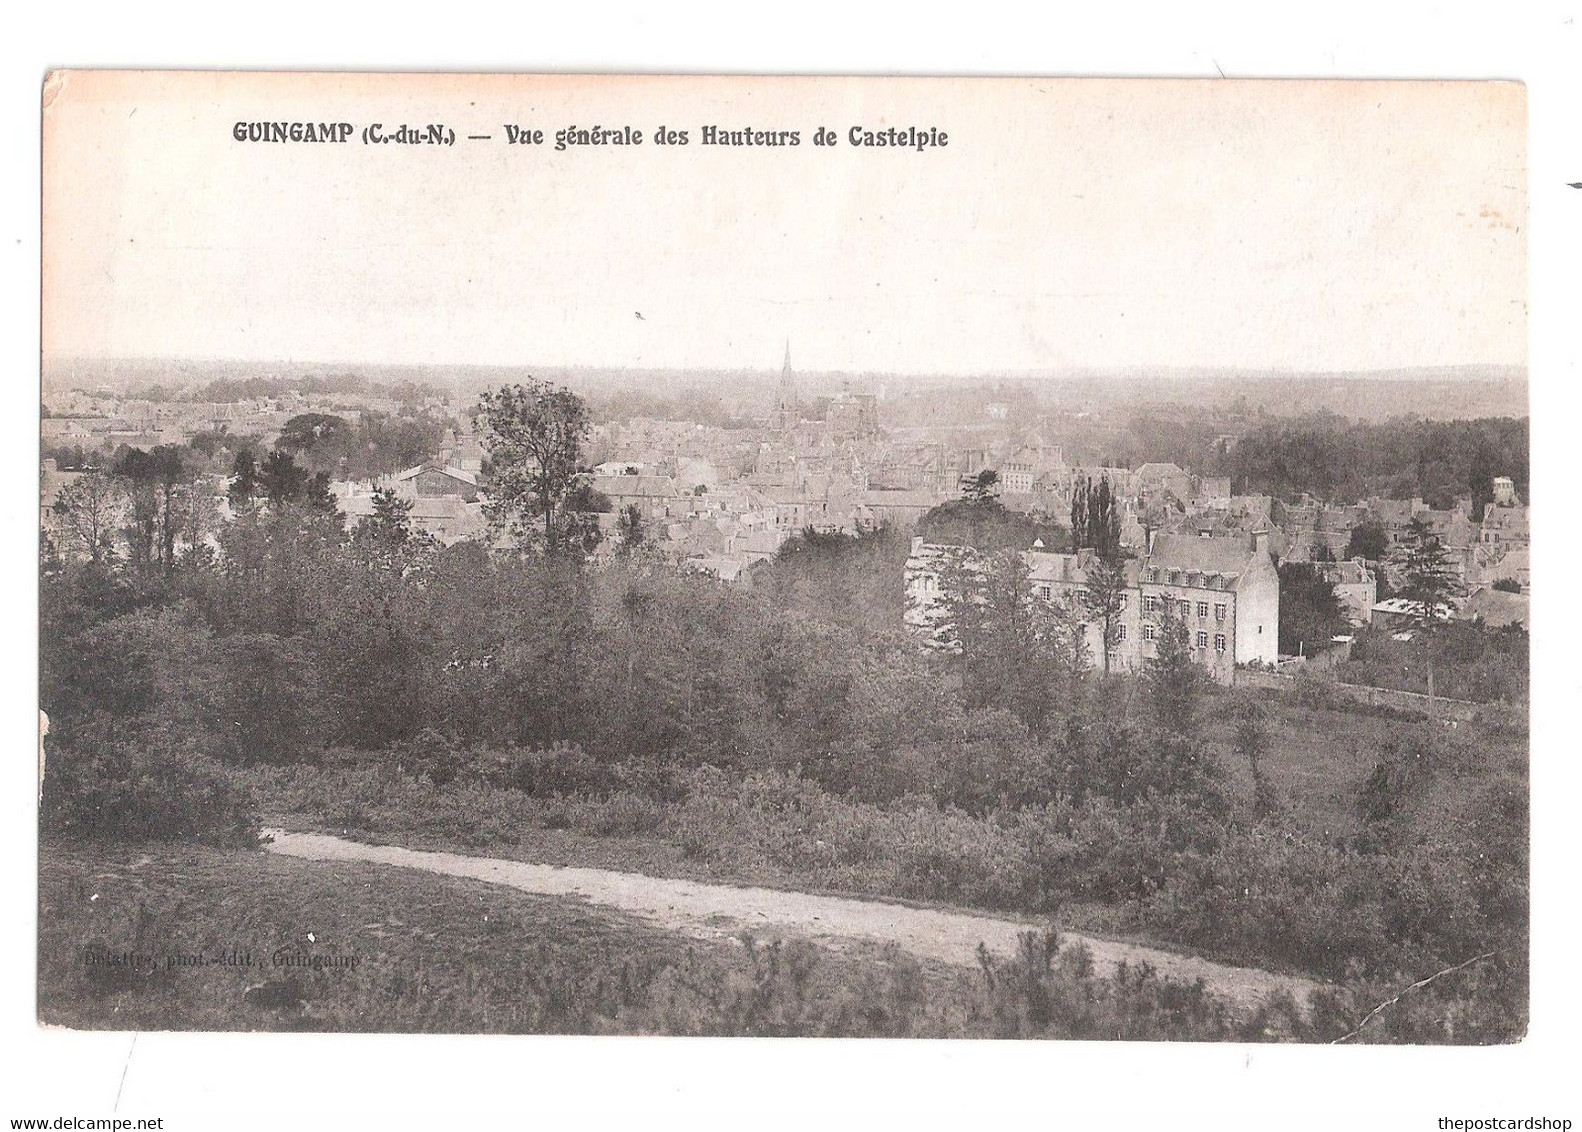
<point>715,910</point>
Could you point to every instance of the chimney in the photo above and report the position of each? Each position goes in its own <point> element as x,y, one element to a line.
<point>1260,542</point>
<point>917,543</point>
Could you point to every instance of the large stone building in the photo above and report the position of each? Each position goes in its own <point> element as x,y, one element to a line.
<point>1225,590</point>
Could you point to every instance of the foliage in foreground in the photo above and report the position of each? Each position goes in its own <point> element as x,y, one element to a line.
<point>130,790</point>
<point>441,955</point>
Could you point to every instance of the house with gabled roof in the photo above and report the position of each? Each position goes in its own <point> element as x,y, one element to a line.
<point>431,481</point>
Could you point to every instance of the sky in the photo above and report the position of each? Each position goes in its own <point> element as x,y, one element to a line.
<point>1067,225</point>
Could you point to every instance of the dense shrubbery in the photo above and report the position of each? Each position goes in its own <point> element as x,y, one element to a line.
<point>852,580</point>
<point>988,526</point>
<point>155,787</point>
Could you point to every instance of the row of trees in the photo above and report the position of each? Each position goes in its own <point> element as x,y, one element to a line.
<point>146,506</point>
<point>225,390</point>
<point>150,507</point>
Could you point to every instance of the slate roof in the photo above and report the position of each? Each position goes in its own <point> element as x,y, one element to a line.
<point>1204,555</point>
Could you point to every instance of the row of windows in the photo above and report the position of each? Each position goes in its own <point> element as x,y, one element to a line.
<point>1151,605</point>
<point>1151,632</point>
<point>1046,593</point>
<point>1209,581</point>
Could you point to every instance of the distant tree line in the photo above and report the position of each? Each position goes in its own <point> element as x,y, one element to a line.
<point>228,389</point>
<point>1344,461</point>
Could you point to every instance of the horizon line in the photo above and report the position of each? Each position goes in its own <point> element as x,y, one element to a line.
<point>1505,370</point>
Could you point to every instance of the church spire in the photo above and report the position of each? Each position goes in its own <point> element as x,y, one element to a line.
<point>785,398</point>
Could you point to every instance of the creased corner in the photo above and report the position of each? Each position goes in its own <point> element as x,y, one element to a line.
<point>54,82</point>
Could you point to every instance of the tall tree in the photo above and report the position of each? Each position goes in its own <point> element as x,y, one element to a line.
<point>1428,583</point>
<point>392,517</point>
<point>1095,517</point>
<point>280,480</point>
<point>629,524</point>
<point>1180,762</point>
<point>307,431</point>
<point>90,510</point>
<point>1252,742</point>
<point>1096,525</point>
<point>1172,679</point>
<point>1013,644</point>
<point>534,435</point>
<point>1368,541</point>
<point>1105,597</point>
<point>1310,610</point>
<point>158,486</point>
<point>318,494</point>
<point>244,479</point>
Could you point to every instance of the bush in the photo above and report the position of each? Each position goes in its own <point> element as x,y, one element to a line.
<point>430,754</point>
<point>158,789</point>
<point>1102,851</point>
<point>1402,765</point>
<point>564,768</point>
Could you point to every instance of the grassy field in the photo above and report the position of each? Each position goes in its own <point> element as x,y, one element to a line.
<point>1319,758</point>
<point>446,955</point>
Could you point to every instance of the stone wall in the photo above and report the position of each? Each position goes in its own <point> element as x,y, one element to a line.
<point>1414,702</point>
